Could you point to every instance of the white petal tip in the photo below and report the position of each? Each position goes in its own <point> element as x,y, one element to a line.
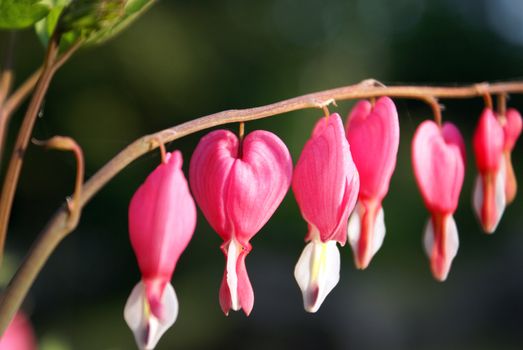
<point>148,329</point>
<point>441,247</point>
<point>317,273</point>
<point>363,253</point>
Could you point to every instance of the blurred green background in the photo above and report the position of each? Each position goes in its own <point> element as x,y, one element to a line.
<point>185,59</point>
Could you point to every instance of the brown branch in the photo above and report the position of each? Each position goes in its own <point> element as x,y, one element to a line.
<point>51,65</point>
<point>58,227</point>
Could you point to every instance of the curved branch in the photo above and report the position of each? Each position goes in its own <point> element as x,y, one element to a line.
<point>58,227</point>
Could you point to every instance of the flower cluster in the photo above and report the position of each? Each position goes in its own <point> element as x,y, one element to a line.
<point>340,181</point>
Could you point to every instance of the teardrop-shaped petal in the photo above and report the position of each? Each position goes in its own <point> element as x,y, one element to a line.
<point>236,290</point>
<point>366,231</point>
<point>488,142</point>
<point>326,182</point>
<point>238,193</point>
<point>439,165</point>
<point>317,272</point>
<point>373,135</point>
<point>441,244</point>
<point>512,128</point>
<point>147,328</point>
<point>162,219</point>
<point>488,198</point>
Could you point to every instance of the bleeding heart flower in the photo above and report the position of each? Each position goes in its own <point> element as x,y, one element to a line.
<point>162,218</point>
<point>19,335</point>
<point>373,135</point>
<point>489,199</point>
<point>438,158</point>
<point>512,124</point>
<point>238,185</point>
<point>325,184</point>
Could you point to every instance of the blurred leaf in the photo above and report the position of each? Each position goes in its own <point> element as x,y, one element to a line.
<point>16,14</point>
<point>45,27</point>
<point>93,21</point>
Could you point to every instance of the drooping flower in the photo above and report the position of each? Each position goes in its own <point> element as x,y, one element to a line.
<point>19,335</point>
<point>512,124</point>
<point>438,158</point>
<point>325,184</point>
<point>162,219</point>
<point>238,185</point>
<point>373,135</point>
<point>489,198</point>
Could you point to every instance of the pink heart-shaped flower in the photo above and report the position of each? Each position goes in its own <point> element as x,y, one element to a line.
<point>238,186</point>
<point>438,158</point>
<point>373,135</point>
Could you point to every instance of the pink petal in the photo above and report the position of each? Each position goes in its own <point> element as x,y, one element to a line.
<point>488,142</point>
<point>19,335</point>
<point>211,163</point>
<point>162,218</point>
<point>439,166</point>
<point>373,135</point>
<point>239,193</point>
<point>325,181</point>
<point>238,294</point>
<point>512,128</point>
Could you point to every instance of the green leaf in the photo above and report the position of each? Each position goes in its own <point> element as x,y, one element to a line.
<point>17,14</point>
<point>45,27</point>
<point>93,21</point>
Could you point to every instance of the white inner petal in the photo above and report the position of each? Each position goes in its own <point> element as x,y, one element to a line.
<point>317,272</point>
<point>233,252</point>
<point>379,231</point>
<point>354,228</point>
<point>477,196</point>
<point>147,328</point>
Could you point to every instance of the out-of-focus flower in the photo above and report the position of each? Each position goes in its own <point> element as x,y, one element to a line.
<point>373,135</point>
<point>489,198</point>
<point>19,335</point>
<point>512,124</point>
<point>325,184</point>
<point>438,158</point>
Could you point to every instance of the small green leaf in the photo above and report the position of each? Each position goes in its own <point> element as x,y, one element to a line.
<point>17,14</point>
<point>45,27</point>
<point>93,21</point>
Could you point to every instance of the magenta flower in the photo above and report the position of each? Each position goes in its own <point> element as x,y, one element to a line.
<point>325,184</point>
<point>238,185</point>
<point>489,198</point>
<point>162,218</point>
<point>373,135</point>
<point>19,335</point>
<point>512,124</point>
<point>438,158</point>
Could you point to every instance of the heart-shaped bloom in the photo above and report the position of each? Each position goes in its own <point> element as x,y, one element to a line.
<point>325,184</point>
<point>162,218</point>
<point>438,158</point>
<point>373,135</point>
<point>512,124</point>
<point>489,198</point>
<point>19,335</point>
<point>238,185</point>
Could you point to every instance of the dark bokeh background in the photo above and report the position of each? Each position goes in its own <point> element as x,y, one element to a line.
<point>186,59</point>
